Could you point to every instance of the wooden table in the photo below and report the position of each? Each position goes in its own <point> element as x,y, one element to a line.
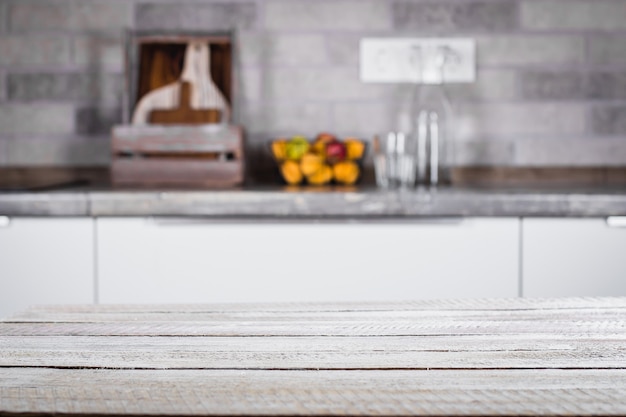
<point>474,357</point>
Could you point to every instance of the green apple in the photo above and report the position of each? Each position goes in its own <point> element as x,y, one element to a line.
<point>297,147</point>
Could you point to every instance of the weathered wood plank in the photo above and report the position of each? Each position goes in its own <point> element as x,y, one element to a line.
<point>496,342</point>
<point>192,392</point>
<point>507,304</point>
<point>577,314</point>
<point>451,357</point>
<point>319,328</point>
<point>469,352</point>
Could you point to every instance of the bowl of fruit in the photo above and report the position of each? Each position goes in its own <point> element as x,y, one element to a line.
<point>322,161</point>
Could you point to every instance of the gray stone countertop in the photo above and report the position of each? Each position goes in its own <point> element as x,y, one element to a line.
<point>318,203</point>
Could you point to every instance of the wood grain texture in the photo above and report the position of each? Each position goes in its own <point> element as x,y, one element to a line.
<point>34,315</point>
<point>184,113</point>
<point>254,392</point>
<point>462,304</point>
<point>177,155</point>
<point>161,61</point>
<point>448,357</point>
<point>468,352</point>
<point>176,171</point>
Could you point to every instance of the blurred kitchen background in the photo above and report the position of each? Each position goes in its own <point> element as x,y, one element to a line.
<point>550,90</point>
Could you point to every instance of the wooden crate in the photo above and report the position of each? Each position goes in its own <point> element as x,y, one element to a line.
<point>202,155</point>
<point>182,146</point>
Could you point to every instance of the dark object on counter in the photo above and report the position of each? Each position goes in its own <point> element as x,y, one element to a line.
<point>203,156</point>
<point>47,186</point>
<point>42,178</point>
<point>192,145</point>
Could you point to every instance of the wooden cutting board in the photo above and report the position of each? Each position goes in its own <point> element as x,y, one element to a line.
<point>184,114</point>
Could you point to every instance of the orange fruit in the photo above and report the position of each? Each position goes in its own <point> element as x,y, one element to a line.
<point>354,149</point>
<point>346,172</point>
<point>322,176</point>
<point>311,163</point>
<point>291,172</point>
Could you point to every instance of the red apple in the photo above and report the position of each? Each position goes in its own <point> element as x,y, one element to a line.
<point>335,151</point>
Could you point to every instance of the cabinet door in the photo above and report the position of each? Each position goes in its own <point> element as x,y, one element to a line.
<point>45,261</point>
<point>573,257</point>
<point>146,261</point>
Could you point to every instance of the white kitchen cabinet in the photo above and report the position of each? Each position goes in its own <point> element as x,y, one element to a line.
<point>45,261</point>
<point>573,257</point>
<point>184,261</point>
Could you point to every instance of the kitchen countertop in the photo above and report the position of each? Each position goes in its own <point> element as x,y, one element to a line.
<point>488,357</point>
<point>318,203</point>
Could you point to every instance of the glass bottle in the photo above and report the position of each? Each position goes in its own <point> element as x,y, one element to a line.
<point>432,116</point>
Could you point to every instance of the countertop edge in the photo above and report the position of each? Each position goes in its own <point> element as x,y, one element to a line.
<point>316,204</point>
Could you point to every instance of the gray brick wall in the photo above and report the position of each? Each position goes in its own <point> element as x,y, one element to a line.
<point>4,153</point>
<point>36,119</point>
<point>551,87</point>
<point>196,15</point>
<point>573,14</point>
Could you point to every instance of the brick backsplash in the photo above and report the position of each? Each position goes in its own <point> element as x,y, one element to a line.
<point>551,86</point>
<point>97,120</point>
<point>572,14</point>
<point>64,86</point>
<point>103,52</point>
<point>61,15</point>
<point>3,16</point>
<point>455,16</point>
<point>609,120</point>
<point>36,119</point>
<point>607,49</point>
<point>195,16</point>
<point>4,152</point>
<point>35,49</point>
<point>326,15</point>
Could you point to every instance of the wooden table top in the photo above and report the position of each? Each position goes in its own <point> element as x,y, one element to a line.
<point>471,357</point>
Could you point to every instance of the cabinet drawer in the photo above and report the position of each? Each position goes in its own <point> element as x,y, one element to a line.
<point>148,261</point>
<point>45,261</point>
<point>573,257</point>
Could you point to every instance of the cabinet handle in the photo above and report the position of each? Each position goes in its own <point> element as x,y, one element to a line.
<point>178,221</point>
<point>616,221</point>
<point>196,221</point>
<point>5,221</point>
